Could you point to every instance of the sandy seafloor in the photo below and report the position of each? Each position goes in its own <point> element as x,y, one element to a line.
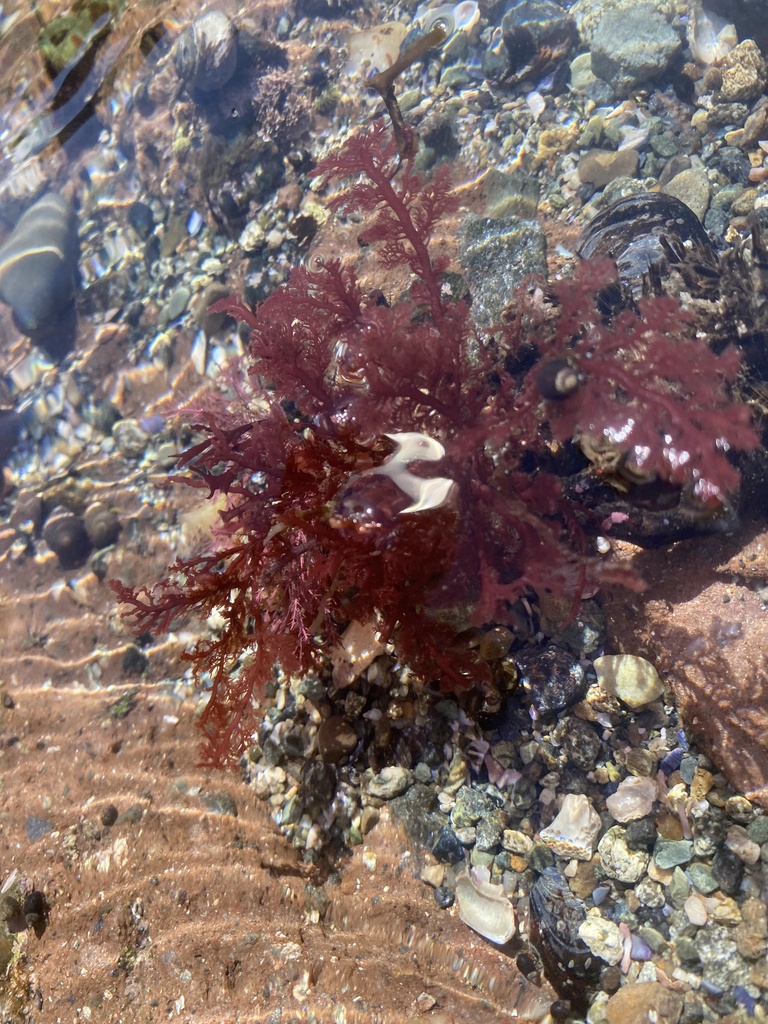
<point>169,892</point>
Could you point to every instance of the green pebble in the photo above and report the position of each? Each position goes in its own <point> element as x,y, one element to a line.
<point>479,858</point>
<point>668,853</point>
<point>654,938</point>
<point>679,889</point>
<point>702,879</point>
<point>686,949</point>
<point>757,830</point>
<point>541,857</point>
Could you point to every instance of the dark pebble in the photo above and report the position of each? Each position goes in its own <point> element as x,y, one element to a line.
<point>522,795</point>
<point>219,802</point>
<point>416,811</point>
<point>471,805</point>
<point>318,782</point>
<point>540,857</point>
<point>141,219</point>
<point>733,164</point>
<point>36,828</point>
<point>581,743</point>
<point>336,739</point>
<point>641,834</point>
<point>34,908</point>
<point>727,870</point>
<point>443,897</point>
<point>135,661</point>
<point>133,815</point>
<point>10,431</point>
<point>447,848</point>
<point>552,677</point>
<point>8,701</point>
<point>109,816</point>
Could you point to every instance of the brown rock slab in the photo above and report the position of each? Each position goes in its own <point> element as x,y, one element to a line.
<point>705,628</point>
<point>648,1000</point>
<point>599,166</point>
<point>176,911</point>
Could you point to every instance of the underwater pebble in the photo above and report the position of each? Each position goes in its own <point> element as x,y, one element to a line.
<point>130,438</point>
<point>630,678</point>
<point>643,1002</point>
<point>744,73</point>
<point>38,274</point>
<point>737,840</point>
<point>695,910</point>
<point>632,45</point>
<point>390,782</point>
<point>728,870</point>
<point>603,938</point>
<point>668,853</point>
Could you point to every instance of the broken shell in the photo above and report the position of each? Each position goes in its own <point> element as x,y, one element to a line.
<point>484,907</point>
<point>205,54</point>
<point>574,831</point>
<point>710,37</point>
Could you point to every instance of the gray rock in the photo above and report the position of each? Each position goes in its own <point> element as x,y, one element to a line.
<point>631,46</point>
<point>471,805</point>
<point>692,188</point>
<point>497,254</point>
<point>618,860</point>
<point>390,782</point>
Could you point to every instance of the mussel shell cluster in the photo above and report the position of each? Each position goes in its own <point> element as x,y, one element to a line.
<point>640,233</point>
<point>555,918</point>
<point>39,274</point>
<point>205,54</point>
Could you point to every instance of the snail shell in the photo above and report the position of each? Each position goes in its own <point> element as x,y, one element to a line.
<point>205,54</point>
<point>65,534</point>
<point>101,524</point>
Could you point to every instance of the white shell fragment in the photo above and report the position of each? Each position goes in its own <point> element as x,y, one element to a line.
<point>633,799</point>
<point>710,37</point>
<point>628,677</point>
<point>483,906</point>
<point>574,831</point>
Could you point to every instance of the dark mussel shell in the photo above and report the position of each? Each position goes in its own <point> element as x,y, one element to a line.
<point>555,918</point>
<point>646,235</point>
<point>39,274</point>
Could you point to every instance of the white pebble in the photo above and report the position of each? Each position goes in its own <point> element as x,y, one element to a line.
<point>695,910</point>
